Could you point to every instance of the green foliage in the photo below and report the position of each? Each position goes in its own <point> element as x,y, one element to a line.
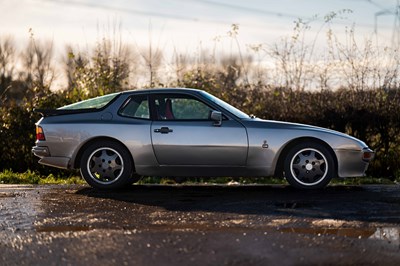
<point>213,180</point>
<point>17,131</point>
<point>368,180</point>
<point>366,106</point>
<point>370,115</point>
<point>17,137</point>
<point>102,74</point>
<point>9,177</point>
<point>31,177</point>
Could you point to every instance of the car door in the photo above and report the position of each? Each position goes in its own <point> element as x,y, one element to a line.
<point>183,134</point>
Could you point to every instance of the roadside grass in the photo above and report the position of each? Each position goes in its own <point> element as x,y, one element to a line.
<point>212,180</point>
<point>32,177</point>
<point>263,181</point>
<point>367,180</point>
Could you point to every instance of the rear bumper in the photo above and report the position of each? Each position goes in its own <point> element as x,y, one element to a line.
<point>58,162</point>
<point>46,159</point>
<point>40,151</point>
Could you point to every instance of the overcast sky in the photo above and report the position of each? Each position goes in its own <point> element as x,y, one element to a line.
<point>183,24</point>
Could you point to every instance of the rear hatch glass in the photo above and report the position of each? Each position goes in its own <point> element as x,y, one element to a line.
<point>94,103</point>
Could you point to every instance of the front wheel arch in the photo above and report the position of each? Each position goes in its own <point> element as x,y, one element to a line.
<point>279,169</point>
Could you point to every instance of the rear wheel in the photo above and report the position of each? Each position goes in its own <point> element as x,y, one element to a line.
<point>309,165</point>
<point>107,165</point>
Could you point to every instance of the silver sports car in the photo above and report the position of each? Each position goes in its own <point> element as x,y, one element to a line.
<point>115,138</point>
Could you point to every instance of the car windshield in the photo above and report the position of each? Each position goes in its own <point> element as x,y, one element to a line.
<point>94,103</point>
<point>226,106</point>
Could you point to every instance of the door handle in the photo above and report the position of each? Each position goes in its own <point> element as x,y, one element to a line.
<point>163,130</point>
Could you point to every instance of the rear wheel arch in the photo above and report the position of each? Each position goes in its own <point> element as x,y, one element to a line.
<point>106,163</point>
<point>78,156</point>
<point>279,169</point>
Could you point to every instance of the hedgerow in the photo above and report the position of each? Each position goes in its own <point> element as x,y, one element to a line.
<point>350,88</point>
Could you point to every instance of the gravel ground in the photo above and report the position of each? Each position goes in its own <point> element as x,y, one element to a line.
<point>199,225</point>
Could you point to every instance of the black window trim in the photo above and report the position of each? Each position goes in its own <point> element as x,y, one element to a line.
<point>154,96</point>
<point>126,102</point>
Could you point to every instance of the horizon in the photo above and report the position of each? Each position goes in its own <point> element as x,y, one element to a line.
<point>185,23</point>
<point>174,28</point>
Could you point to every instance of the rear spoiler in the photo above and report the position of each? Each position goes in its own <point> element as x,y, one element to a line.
<point>55,112</point>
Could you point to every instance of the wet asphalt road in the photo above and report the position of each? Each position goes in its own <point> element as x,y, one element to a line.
<point>199,225</point>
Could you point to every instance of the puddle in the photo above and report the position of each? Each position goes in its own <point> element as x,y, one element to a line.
<point>293,205</point>
<point>187,200</point>
<point>7,194</point>
<point>348,232</point>
<point>390,235</point>
<point>63,228</point>
<point>392,200</point>
<point>19,206</point>
<point>16,187</point>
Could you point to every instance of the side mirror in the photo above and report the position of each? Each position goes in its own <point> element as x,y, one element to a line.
<point>216,116</point>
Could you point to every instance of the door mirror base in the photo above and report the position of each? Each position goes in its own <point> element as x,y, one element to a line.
<point>216,116</point>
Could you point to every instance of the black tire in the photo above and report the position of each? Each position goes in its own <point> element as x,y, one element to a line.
<point>107,165</point>
<point>309,165</point>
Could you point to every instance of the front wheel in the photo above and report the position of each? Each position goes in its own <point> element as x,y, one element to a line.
<point>106,165</point>
<point>309,165</point>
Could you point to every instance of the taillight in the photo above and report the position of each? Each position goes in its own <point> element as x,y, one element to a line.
<point>39,133</point>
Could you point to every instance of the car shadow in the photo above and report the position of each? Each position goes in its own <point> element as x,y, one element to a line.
<point>360,203</point>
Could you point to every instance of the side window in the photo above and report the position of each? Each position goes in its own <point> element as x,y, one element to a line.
<point>190,109</point>
<point>136,107</point>
<point>181,107</point>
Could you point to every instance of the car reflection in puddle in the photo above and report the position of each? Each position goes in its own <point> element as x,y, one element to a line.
<point>389,234</point>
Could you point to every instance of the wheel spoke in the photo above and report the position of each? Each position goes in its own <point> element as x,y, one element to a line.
<point>105,165</point>
<point>297,167</point>
<point>311,156</point>
<point>301,176</point>
<point>113,157</point>
<point>318,171</point>
<point>302,158</point>
<point>96,159</point>
<point>308,166</point>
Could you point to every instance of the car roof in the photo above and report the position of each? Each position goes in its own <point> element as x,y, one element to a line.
<point>161,90</point>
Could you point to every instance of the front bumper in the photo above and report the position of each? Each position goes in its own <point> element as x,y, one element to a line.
<point>353,163</point>
<point>368,154</point>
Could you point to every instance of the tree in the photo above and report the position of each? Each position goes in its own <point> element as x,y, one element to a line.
<point>7,65</point>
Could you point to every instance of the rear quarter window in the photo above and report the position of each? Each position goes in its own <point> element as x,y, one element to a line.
<point>136,107</point>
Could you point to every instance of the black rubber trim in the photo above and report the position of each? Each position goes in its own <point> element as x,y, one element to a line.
<point>55,112</point>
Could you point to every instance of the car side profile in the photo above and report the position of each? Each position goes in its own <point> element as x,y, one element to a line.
<point>182,132</point>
